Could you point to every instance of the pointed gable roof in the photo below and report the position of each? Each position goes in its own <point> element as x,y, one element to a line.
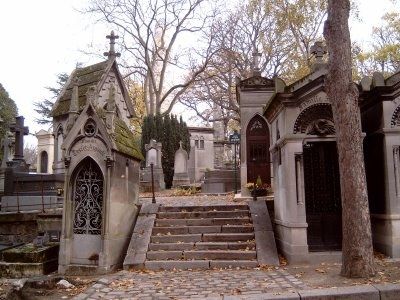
<point>93,75</point>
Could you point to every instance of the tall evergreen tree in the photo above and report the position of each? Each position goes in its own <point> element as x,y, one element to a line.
<point>169,131</point>
<point>8,112</point>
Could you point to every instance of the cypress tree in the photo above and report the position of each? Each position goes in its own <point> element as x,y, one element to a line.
<point>169,131</point>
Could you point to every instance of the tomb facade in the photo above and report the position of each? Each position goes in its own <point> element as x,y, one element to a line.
<point>100,161</point>
<point>380,115</point>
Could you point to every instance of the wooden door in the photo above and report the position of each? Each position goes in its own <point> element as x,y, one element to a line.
<point>258,158</point>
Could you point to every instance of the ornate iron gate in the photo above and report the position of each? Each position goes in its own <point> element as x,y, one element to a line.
<point>258,158</point>
<point>88,198</point>
<point>322,195</point>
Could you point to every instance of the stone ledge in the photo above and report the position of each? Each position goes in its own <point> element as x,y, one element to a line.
<point>367,292</point>
<point>267,253</point>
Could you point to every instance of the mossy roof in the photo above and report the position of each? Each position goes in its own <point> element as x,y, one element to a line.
<point>123,138</point>
<point>87,77</point>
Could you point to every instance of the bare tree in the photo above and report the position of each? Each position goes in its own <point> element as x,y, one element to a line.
<point>164,39</point>
<point>357,257</point>
<point>280,30</point>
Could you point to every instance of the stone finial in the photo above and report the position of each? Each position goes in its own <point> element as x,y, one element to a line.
<point>110,112</point>
<point>318,50</point>
<point>366,83</point>
<point>256,62</point>
<point>91,95</point>
<point>111,53</point>
<point>111,99</point>
<point>74,106</point>
<point>180,144</point>
<point>378,79</point>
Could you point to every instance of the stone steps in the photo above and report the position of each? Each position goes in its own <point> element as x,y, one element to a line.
<point>202,237</point>
<point>203,214</point>
<point>203,246</point>
<point>202,222</point>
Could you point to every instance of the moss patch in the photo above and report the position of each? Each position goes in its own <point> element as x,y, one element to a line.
<point>87,77</point>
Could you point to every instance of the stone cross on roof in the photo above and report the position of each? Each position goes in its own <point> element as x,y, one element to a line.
<point>110,54</point>
<point>256,62</point>
<point>19,130</point>
<point>318,49</point>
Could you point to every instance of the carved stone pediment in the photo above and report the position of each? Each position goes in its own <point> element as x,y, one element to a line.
<point>256,82</point>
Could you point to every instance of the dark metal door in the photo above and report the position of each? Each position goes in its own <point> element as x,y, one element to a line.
<point>258,158</point>
<point>87,200</point>
<point>322,194</point>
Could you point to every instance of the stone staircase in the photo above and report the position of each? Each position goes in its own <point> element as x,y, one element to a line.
<point>199,237</point>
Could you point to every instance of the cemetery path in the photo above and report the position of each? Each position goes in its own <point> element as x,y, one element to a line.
<point>192,284</point>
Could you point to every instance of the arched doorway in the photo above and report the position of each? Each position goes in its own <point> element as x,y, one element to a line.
<point>258,157</point>
<point>44,161</point>
<point>87,198</point>
<point>321,178</point>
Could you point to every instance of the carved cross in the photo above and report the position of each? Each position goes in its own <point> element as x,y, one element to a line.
<point>112,37</point>
<point>318,49</point>
<point>19,130</point>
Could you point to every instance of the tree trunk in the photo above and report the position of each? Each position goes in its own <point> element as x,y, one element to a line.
<point>357,250</point>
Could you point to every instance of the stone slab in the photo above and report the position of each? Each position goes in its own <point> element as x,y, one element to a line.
<point>359,292</point>
<point>227,237</point>
<point>186,238</point>
<point>138,245</point>
<point>203,214</point>
<point>260,216</point>
<point>163,255</point>
<point>134,261</point>
<point>171,230</point>
<point>220,254</point>
<point>266,296</point>
<point>233,264</point>
<point>267,253</point>
<point>229,221</point>
<point>173,264</point>
<point>237,228</point>
<point>29,203</point>
<point>388,291</point>
<point>204,229</point>
<point>149,208</point>
<point>19,270</point>
<point>171,246</point>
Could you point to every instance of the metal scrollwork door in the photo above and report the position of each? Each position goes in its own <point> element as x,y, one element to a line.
<point>322,192</point>
<point>87,200</point>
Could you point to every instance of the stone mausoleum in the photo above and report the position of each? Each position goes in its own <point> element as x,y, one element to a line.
<point>96,151</point>
<point>300,137</point>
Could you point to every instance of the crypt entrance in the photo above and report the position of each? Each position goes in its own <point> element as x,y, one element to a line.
<point>87,201</point>
<point>322,196</point>
<point>258,156</point>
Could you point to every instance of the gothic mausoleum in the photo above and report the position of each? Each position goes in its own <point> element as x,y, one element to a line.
<point>97,153</point>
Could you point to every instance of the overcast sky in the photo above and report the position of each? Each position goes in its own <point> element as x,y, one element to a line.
<point>42,38</point>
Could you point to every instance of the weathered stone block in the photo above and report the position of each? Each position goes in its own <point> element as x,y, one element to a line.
<point>388,291</point>
<point>359,292</point>
<point>173,264</point>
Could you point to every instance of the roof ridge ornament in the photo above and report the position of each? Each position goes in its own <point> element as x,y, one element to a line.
<point>256,62</point>
<point>319,49</point>
<point>111,53</point>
